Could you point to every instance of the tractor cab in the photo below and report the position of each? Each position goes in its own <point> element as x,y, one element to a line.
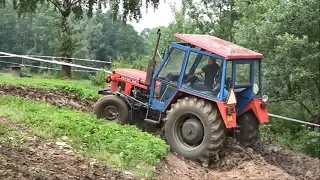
<point>207,67</point>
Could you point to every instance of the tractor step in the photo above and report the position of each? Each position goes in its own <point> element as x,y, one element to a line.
<point>151,121</point>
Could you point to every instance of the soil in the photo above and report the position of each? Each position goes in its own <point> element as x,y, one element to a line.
<point>266,160</point>
<point>56,97</point>
<point>39,159</point>
<point>295,163</point>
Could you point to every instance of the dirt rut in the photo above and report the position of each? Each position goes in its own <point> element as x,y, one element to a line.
<point>39,159</point>
<point>56,97</point>
<point>236,162</point>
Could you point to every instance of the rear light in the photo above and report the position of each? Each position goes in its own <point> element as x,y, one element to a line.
<point>263,105</point>
<point>231,109</point>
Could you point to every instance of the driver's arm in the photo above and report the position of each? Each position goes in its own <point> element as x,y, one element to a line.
<point>201,70</point>
<point>198,71</point>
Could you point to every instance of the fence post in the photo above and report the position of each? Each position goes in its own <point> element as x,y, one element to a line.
<point>16,71</point>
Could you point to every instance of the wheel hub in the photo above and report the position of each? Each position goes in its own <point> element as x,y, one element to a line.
<point>111,112</point>
<point>192,131</point>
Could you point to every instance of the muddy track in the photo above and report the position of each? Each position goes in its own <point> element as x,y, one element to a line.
<point>266,161</point>
<point>41,159</point>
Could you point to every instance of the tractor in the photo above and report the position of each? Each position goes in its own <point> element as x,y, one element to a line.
<point>203,90</point>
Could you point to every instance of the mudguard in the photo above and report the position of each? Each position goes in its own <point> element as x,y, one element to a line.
<point>260,112</point>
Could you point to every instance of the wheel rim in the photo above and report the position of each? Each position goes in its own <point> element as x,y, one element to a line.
<point>189,131</point>
<point>111,112</point>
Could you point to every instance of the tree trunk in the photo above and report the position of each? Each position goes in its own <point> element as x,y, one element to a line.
<point>66,45</point>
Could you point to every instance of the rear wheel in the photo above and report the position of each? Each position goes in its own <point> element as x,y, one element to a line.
<point>194,129</point>
<point>112,108</point>
<point>249,129</point>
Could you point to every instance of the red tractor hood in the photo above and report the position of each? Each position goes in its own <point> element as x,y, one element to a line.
<point>136,75</point>
<point>132,73</point>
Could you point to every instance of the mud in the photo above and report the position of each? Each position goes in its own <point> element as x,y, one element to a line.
<point>56,97</point>
<point>39,159</point>
<point>174,168</point>
<point>266,161</point>
<point>295,163</point>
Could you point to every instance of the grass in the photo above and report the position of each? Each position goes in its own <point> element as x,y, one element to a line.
<point>125,147</point>
<point>10,135</point>
<point>82,87</point>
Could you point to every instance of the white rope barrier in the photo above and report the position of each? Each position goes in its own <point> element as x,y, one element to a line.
<point>42,67</point>
<point>54,62</point>
<point>54,57</point>
<point>294,120</point>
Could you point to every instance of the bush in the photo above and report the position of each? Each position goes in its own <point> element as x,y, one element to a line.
<point>140,64</point>
<point>99,79</point>
<point>293,135</point>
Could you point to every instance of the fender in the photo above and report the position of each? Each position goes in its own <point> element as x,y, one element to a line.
<point>260,110</point>
<point>229,118</point>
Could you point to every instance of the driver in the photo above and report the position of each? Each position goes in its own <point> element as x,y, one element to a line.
<point>210,71</point>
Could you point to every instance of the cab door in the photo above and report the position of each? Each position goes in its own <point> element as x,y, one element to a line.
<point>167,77</point>
<point>243,79</point>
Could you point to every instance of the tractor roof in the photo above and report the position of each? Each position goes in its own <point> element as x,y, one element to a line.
<point>219,46</point>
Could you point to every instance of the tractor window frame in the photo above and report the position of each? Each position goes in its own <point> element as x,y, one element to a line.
<point>258,76</point>
<point>202,52</point>
<point>167,59</point>
<point>158,103</point>
<point>234,73</point>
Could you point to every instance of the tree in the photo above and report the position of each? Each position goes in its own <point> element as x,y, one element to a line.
<point>113,40</point>
<point>36,34</point>
<point>287,33</point>
<point>131,9</point>
<point>213,17</point>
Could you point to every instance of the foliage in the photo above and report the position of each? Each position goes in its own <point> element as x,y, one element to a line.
<point>98,38</point>
<point>82,87</point>
<point>285,32</point>
<point>292,61</point>
<point>99,79</point>
<point>123,146</point>
<point>112,40</point>
<point>140,64</point>
<point>131,9</point>
<point>295,136</point>
<point>66,8</point>
<point>216,17</point>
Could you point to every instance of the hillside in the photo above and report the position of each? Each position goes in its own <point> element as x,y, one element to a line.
<point>37,132</point>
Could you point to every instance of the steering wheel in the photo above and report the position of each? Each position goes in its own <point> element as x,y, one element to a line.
<point>191,79</point>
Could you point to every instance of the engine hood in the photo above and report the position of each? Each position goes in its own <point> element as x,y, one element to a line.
<point>138,74</point>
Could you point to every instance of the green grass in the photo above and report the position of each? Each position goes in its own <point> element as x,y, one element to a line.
<point>10,135</point>
<point>125,147</point>
<point>82,87</point>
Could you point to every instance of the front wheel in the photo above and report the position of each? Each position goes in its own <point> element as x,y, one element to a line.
<point>194,129</point>
<point>112,108</point>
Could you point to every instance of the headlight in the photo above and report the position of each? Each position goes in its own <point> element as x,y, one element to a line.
<point>265,98</point>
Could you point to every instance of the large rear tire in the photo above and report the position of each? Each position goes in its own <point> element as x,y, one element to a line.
<point>249,129</point>
<point>112,108</point>
<point>194,129</point>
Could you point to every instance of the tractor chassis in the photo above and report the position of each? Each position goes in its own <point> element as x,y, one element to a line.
<point>134,116</point>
